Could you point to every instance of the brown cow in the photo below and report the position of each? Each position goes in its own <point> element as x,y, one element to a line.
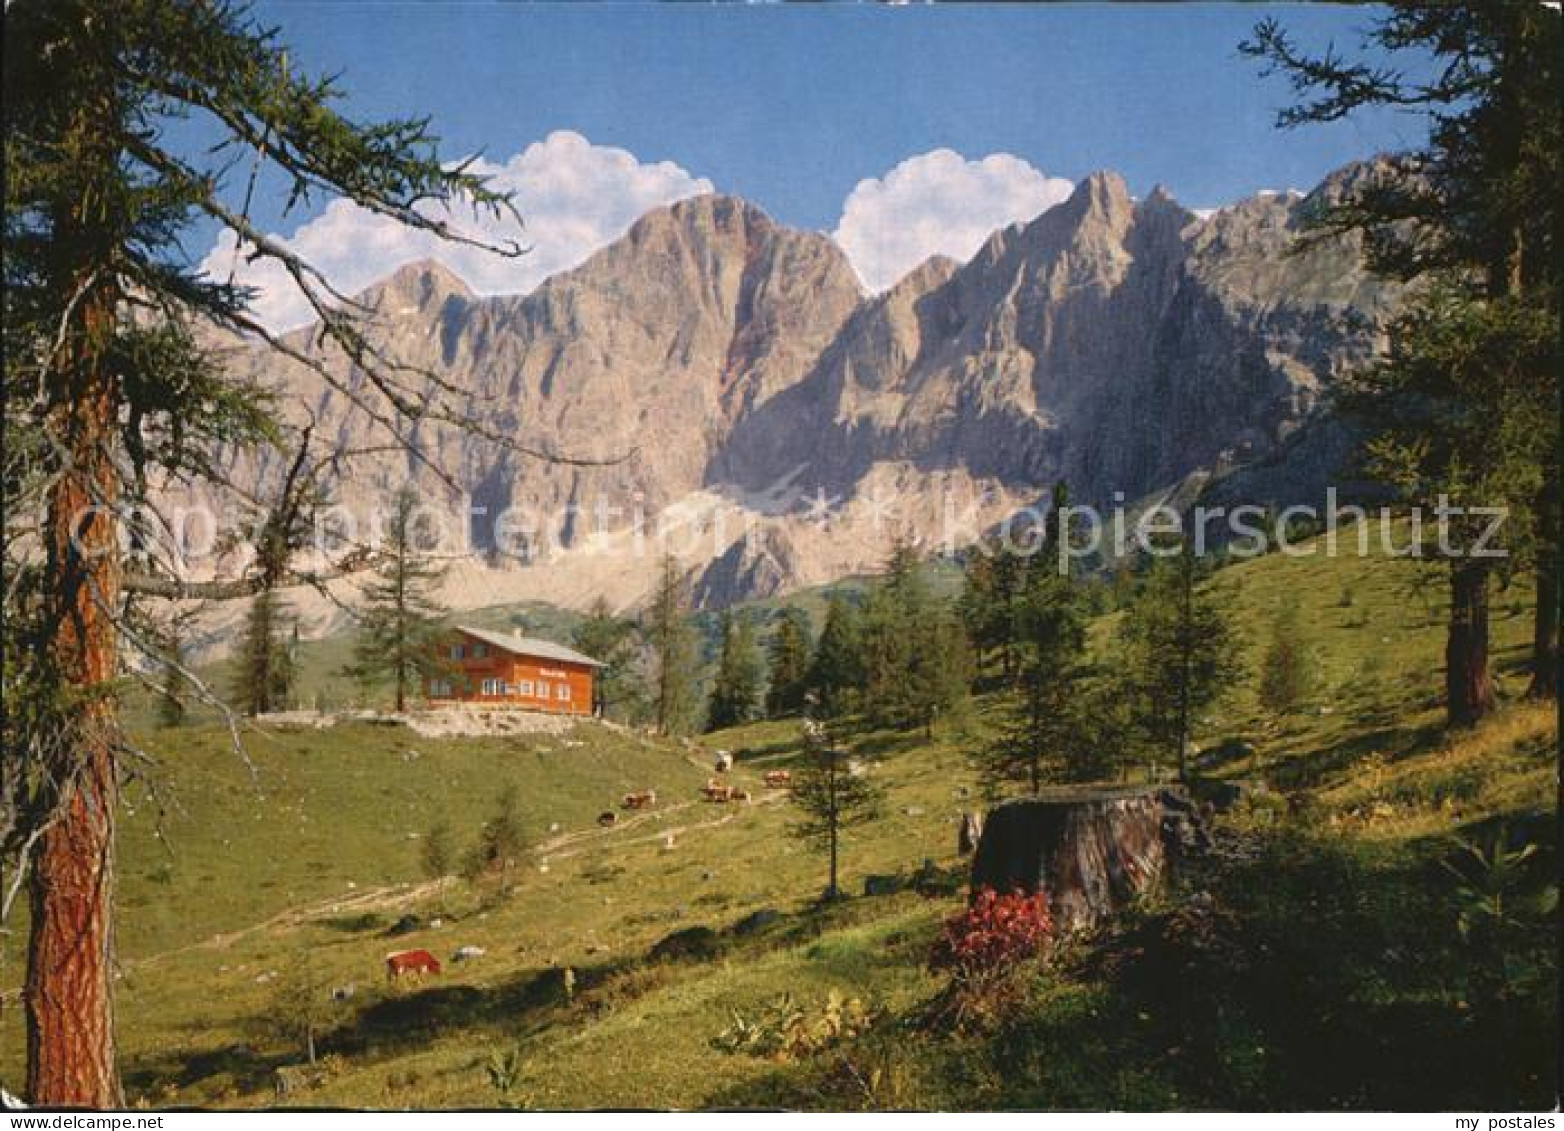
<point>717,793</point>
<point>639,800</point>
<point>776,778</point>
<point>418,962</point>
<point>738,795</point>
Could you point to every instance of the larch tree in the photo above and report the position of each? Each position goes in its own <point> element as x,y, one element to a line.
<point>1179,654</point>
<point>735,691</point>
<point>171,705</point>
<point>834,794</point>
<point>399,620</point>
<point>666,629</point>
<point>916,660</point>
<point>788,664</point>
<point>1463,425</point>
<point>1474,213</point>
<point>263,672</point>
<point>611,640</point>
<point>1044,729</point>
<point>113,390</point>
<point>895,618</point>
<point>989,605</point>
<point>837,671</point>
<point>501,842</point>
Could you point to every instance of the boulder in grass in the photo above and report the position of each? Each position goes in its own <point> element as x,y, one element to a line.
<point>756,921</point>
<point>883,885</point>
<point>406,925</point>
<point>689,944</point>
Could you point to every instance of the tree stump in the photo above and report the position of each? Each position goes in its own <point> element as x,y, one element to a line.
<point>1093,849</point>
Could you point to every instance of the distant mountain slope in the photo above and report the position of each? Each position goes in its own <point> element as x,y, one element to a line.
<point>789,423</point>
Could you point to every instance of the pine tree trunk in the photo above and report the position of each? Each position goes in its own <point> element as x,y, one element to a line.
<point>1545,630</point>
<point>1185,659</point>
<point>1469,692</point>
<point>1545,636</point>
<point>69,1006</point>
<point>833,889</point>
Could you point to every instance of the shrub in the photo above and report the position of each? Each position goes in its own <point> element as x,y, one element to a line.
<point>983,948</point>
<point>505,1071</point>
<point>785,1030</point>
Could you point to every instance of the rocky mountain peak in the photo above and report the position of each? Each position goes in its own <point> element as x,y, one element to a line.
<point>424,288</point>
<point>1101,196</point>
<point>935,271</point>
<point>705,220</point>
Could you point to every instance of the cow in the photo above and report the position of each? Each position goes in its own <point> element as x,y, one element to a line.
<point>417,962</point>
<point>738,795</point>
<point>717,792</point>
<point>608,818</point>
<point>639,800</point>
<point>467,953</point>
<point>723,762</point>
<point>777,778</point>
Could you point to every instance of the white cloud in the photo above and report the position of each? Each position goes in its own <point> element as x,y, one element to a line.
<point>575,197</point>
<point>938,203</point>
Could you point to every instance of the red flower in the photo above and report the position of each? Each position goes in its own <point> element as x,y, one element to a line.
<point>993,934</point>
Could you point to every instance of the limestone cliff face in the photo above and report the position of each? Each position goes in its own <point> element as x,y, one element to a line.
<point>1120,345</point>
<point>1126,346</point>
<point>645,355</point>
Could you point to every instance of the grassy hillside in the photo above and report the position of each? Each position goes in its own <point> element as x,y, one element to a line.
<point>1329,972</point>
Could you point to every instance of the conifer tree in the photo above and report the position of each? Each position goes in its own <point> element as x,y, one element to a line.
<point>1466,408</point>
<point>611,640</point>
<point>110,387</point>
<point>896,628</point>
<point>789,657</point>
<point>834,793</point>
<point>735,693</point>
<point>264,674</point>
<point>1179,654</point>
<point>438,854</point>
<point>917,663</point>
<point>989,605</point>
<point>399,622</point>
<point>674,656</point>
<point>171,684</point>
<point>942,669</point>
<point>1046,730</point>
<point>501,841</point>
<point>837,673</point>
<point>1044,724</point>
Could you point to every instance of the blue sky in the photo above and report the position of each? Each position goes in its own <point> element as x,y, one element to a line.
<point>792,107</point>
